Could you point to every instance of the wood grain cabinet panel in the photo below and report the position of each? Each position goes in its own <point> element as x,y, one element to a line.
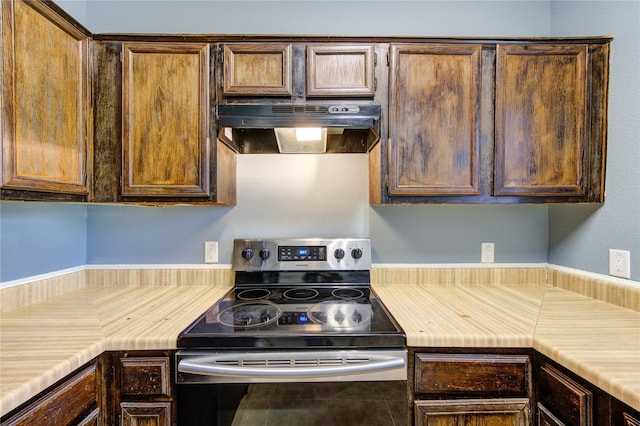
<point>340,70</point>
<point>472,389</point>
<point>145,414</point>
<point>541,120</point>
<point>165,119</point>
<point>434,107</point>
<point>145,376</point>
<point>140,390</point>
<point>72,402</point>
<point>624,415</point>
<point>562,400</point>
<point>258,69</point>
<point>473,412</point>
<point>472,374</point>
<point>46,114</point>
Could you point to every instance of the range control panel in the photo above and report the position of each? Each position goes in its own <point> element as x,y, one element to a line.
<point>295,253</point>
<point>301,254</point>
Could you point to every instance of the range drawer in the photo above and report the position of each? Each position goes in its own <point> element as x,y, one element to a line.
<point>472,374</point>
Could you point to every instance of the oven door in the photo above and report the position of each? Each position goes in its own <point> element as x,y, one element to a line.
<point>303,387</point>
<point>290,366</point>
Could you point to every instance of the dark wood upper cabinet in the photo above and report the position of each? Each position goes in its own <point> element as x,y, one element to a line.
<point>518,122</point>
<point>340,70</point>
<point>257,69</point>
<point>165,119</point>
<point>541,120</point>
<point>434,114</point>
<point>46,108</point>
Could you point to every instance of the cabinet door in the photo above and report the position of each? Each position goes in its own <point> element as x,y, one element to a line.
<point>494,412</point>
<point>562,399</point>
<point>145,413</point>
<point>541,120</point>
<point>45,100</point>
<point>65,404</point>
<point>434,110</point>
<point>624,415</point>
<point>257,69</point>
<point>337,70</point>
<point>165,119</point>
<point>546,418</point>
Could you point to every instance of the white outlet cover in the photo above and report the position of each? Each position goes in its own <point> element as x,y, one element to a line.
<point>620,263</point>
<point>211,252</point>
<point>487,252</point>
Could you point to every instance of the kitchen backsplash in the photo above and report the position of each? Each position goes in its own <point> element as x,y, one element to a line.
<point>620,294</point>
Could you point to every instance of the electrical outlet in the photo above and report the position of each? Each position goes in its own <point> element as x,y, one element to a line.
<point>487,253</point>
<point>211,252</point>
<point>620,263</point>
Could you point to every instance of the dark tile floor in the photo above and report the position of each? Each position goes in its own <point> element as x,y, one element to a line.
<point>324,404</point>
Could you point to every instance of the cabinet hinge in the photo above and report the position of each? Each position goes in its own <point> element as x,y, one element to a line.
<point>375,59</point>
<point>375,84</point>
<point>388,60</point>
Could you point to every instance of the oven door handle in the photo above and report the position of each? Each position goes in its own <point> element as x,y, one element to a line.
<point>377,363</point>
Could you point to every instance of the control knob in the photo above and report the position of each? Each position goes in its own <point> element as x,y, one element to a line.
<point>356,253</point>
<point>247,253</point>
<point>264,253</point>
<point>338,254</point>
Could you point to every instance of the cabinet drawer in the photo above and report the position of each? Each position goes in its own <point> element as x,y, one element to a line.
<point>506,375</point>
<point>145,376</point>
<point>564,398</point>
<point>63,405</point>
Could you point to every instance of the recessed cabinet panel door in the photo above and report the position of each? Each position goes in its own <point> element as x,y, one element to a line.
<point>165,119</point>
<point>340,70</point>
<point>257,69</point>
<point>541,107</point>
<point>45,100</point>
<point>473,412</point>
<point>434,111</point>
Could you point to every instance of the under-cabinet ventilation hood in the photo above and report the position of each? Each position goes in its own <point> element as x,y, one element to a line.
<point>330,127</point>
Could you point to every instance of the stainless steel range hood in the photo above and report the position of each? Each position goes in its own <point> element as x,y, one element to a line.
<point>255,128</point>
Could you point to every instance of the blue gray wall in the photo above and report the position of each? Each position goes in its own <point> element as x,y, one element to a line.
<point>37,238</point>
<point>580,236</point>
<point>311,195</point>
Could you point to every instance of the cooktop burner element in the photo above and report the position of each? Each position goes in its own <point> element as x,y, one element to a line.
<point>250,314</point>
<point>253,294</point>
<point>300,293</point>
<point>347,293</point>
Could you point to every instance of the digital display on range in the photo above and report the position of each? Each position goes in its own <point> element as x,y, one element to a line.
<point>297,253</point>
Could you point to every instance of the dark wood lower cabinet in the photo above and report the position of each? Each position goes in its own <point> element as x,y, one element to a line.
<point>546,418</point>
<point>495,412</point>
<point>624,415</point>
<point>562,400</point>
<point>472,389</point>
<point>139,389</point>
<point>74,401</point>
<point>145,413</point>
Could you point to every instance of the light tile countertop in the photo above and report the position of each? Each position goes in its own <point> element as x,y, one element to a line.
<point>43,342</point>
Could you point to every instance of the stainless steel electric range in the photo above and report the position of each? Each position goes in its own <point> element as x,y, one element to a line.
<point>301,310</point>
